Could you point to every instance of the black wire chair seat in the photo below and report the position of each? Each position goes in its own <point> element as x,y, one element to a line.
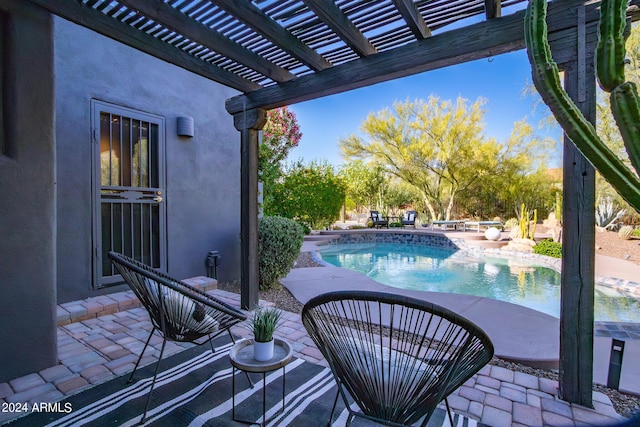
<point>396,357</point>
<point>177,310</point>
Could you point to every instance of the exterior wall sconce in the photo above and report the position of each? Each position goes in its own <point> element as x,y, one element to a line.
<point>184,126</point>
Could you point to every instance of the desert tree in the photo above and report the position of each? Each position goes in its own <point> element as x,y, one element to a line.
<point>438,147</point>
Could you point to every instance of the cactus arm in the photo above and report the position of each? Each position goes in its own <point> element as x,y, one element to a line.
<point>610,54</point>
<point>546,80</point>
<point>532,232</point>
<point>523,227</point>
<point>611,48</point>
<point>625,107</point>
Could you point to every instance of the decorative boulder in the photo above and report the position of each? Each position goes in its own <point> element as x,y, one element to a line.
<point>492,233</point>
<point>521,245</point>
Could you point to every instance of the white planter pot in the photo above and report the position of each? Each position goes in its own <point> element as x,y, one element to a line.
<point>263,351</point>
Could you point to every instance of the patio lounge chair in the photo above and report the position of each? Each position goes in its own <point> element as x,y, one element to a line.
<point>446,224</point>
<point>409,219</point>
<point>396,357</point>
<point>378,220</point>
<point>482,225</point>
<point>177,310</point>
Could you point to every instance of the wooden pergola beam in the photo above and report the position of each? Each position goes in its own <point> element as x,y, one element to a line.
<point>116,30</point>
<point>493,8</point>
<point>481,40</point>
<point>173,19</point>
<point>335,19</point>
<point>412,17</point>
<point>578,221</point>
<point>247,12</point>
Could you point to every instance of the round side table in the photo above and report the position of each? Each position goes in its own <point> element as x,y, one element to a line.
<point>241,356</point>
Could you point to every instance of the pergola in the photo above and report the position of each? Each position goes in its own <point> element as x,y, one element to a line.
<point>279,52</point>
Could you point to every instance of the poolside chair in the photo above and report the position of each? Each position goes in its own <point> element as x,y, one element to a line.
<point>178,311</point>
<point>395,357</point>
<point>409,219</point>
<point>378,220</point>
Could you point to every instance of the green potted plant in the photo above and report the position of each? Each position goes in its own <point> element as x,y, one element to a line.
<point>263,324</point>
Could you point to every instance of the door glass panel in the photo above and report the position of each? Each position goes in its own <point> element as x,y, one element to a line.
<point>109,152</point>
<point>126,150</point>
<point>141,158</point>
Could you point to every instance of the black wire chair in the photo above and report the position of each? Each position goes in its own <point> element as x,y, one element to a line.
<point>396,357</point>
<point>177,310</point>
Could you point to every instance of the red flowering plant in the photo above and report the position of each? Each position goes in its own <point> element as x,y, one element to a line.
<point>279,135</point>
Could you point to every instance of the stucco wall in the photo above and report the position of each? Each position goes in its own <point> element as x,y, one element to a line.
<point>203,172</point>
<point>27,195</point>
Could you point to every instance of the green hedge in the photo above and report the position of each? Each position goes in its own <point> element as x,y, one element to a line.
<point>549,248</point>
<point>279,243</point>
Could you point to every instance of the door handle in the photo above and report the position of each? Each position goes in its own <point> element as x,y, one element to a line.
<point>158,197</point>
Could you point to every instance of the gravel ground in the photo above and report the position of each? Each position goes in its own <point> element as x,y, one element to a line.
<point>607,243</point>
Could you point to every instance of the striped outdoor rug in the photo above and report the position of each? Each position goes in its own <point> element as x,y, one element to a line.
<point>194,389</point>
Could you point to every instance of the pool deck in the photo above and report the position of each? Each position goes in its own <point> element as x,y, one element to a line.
<point>518,333</point>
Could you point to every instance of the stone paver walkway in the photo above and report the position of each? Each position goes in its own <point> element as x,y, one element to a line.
<point>96,349</point>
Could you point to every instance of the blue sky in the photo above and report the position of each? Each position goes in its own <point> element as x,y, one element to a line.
<point>500,80</point>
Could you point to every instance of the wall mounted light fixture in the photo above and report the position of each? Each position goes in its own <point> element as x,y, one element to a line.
<point>184,126</point>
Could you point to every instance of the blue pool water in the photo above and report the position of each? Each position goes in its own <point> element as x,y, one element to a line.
<point>430,268</point>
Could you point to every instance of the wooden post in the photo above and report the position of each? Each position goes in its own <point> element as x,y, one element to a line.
<point>578,245</point>
<point>249,124</point>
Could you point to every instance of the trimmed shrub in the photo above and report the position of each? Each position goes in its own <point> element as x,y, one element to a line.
<point>549,248</point>
<point>305,228</point>
<point>279,243</point>
<point>636,232</point>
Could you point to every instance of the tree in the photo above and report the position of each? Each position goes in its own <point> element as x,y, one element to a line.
<point>519,175</point>
<point>363,183</point>
<point>311,194</point>
<point>280,134</point>
<point>398,195</point>
<point>438,147</point>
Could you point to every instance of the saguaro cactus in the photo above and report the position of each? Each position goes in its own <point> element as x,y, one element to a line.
<point>625,104</point>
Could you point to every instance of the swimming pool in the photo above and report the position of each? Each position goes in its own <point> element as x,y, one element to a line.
<point>436,269</point>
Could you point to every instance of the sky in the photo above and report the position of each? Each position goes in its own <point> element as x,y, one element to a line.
<point>500,80</point>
